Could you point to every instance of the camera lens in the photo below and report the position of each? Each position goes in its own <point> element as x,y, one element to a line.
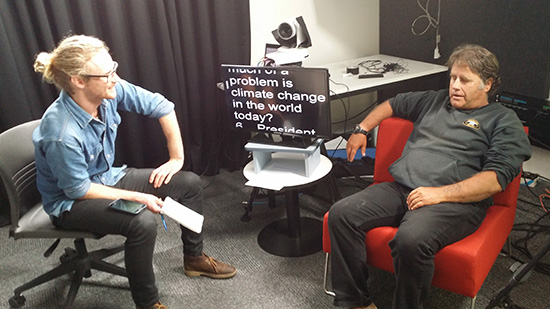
<point>286,30</point>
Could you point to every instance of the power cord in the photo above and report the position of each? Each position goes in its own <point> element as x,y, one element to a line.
<point>373,66</point>
<point>346,112</point>
<point>531,231</point>
<point>266,62</point>
<point>377,66</point>
<point>358,113</point>
<point>432,22</point>
<point>540,143</point>
<point>535,229</point>
<point>347,117</point>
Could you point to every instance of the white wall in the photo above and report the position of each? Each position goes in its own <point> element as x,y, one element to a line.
<point>339,29</point>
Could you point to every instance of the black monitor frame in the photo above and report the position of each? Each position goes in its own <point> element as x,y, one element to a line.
<point>283,103</point>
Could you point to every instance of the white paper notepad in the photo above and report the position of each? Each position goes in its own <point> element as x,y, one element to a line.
<point>183,215</point>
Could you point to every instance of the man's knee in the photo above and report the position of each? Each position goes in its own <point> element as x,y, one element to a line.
<point>339,215</point>
<point>408,243</point>
<point>190,178</point>
<point>144,226</point>
<point>188,182</point>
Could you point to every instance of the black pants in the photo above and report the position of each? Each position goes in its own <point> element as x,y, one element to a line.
<point>140,230</point>
<point>421,234</point>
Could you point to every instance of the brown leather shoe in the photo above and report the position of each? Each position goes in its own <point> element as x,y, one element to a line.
<point>158,305</point>
<point>204,265</point>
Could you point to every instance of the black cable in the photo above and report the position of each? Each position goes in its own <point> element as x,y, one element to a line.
<point>361,182</point>
<point>527,202</point>
<point>402,66</point>
<point>522,244</point>
<point>346,112</point>
<point>359,113</point>
<point>531,230</point>
<point>212,155</point>
<point>372,66</point>
<point>377,66</point>
<point>535,139</point>
<point>354,182</point>
<point>539,142</point>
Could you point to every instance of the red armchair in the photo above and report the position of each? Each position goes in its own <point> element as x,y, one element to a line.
<point>460,267</point>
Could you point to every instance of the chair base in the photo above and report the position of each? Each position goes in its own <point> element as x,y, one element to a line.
<point>331,293</point>
<point>325,275</point>
<point>277,238</point>
<point>77,260</point>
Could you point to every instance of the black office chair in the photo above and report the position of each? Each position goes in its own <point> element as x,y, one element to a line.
<point>18,172</point>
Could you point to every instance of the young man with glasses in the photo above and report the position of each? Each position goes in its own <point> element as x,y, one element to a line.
<point>109,76</point>
<point>75,149</point>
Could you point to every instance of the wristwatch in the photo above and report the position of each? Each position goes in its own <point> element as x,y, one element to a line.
<point>358,129</point>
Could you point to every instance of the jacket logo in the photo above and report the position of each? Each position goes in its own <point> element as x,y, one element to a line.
<point>472,123</point>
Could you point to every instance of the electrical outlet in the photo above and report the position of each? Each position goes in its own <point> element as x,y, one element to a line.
<point>437,55</point>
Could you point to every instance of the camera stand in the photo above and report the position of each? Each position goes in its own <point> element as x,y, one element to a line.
<point>502,298</point>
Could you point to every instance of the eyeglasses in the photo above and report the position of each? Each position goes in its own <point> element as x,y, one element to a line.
<point>110,75</point>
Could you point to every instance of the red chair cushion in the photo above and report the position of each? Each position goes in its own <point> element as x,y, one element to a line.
<point>392,137</point>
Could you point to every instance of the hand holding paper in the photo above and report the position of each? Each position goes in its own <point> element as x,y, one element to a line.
<point>183,215</point>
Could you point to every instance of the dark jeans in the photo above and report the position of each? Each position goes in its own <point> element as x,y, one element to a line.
<point>421,234</point>
<point>140,230</point>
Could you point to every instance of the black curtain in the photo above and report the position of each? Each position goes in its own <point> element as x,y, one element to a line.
<point>174,47</point>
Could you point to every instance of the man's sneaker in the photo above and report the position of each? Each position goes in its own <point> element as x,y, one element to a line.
<point>204,265</point>
<point>158,305</point>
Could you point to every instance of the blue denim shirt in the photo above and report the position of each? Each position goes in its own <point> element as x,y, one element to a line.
<point>73,149</point>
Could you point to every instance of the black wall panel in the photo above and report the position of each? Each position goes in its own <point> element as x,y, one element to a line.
<point>518,32</point>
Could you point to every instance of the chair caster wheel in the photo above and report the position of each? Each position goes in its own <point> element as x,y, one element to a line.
<point>17,301</point>
<point>69,255</point>
<point>64,259</point>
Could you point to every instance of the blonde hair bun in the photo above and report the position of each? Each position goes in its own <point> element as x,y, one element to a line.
<point>42,62</point>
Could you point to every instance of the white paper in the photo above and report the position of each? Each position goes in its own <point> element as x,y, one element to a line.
<point>183,215</point>
<point>336,143</point>
<point>261,182</point>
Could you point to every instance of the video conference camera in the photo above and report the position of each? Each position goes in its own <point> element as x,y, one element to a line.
<point>293,39</point>
<point>292,33</point>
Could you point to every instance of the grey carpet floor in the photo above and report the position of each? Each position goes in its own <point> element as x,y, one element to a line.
<point>263,280</point>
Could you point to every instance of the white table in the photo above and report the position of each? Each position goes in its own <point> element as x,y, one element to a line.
<point>343,85</point>
<point>295,235</point>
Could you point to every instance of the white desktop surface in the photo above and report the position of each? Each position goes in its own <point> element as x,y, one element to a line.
<point>342,83</point>
<point>284,170</point>
<point>539,162</point>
